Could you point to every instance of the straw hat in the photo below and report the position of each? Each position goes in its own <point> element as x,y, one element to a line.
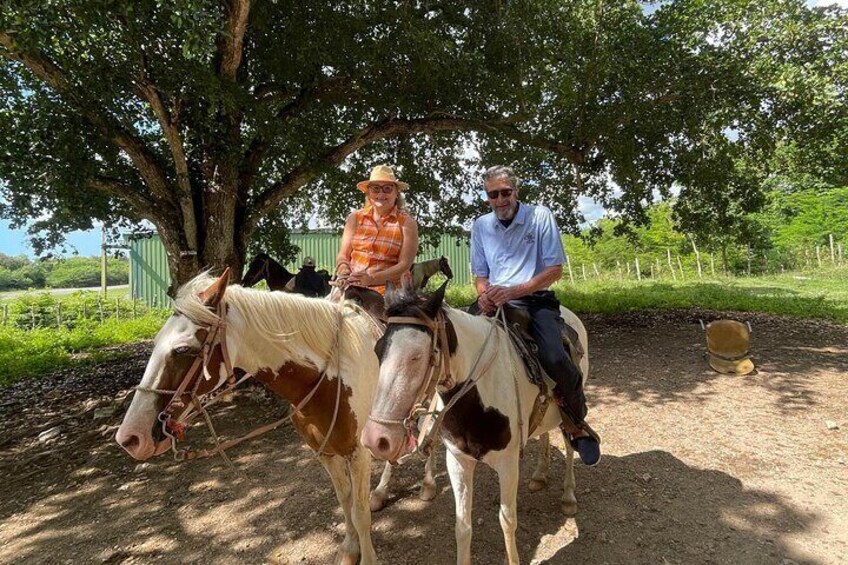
<point>381,174</point>
<point>727,347</point>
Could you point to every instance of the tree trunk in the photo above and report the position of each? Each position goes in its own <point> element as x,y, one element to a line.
<point>221,242</point>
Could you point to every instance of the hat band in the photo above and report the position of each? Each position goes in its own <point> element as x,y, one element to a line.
<point>745,355</point>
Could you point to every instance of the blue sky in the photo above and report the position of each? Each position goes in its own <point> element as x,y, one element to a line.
<point>14,242</point>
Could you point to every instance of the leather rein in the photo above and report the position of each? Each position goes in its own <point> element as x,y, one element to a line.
<point>427,397</point>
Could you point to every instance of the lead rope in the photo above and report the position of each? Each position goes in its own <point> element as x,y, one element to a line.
<point>337,355</point>
<point>426,436</point>
<point>522,440</point>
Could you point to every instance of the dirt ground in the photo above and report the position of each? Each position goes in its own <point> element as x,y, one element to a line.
<point>697,468</point>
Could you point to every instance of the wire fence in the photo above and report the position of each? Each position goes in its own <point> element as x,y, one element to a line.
<point>673,266</point>
<point>43,310</point>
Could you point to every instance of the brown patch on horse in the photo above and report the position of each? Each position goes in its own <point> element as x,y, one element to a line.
<point>293,382</point>
<point>473,428</point>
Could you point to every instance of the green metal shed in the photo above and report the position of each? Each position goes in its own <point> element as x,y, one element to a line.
<point>149,276</point>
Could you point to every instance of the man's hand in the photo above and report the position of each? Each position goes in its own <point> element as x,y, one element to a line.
<point>486,305</point>
<point>500,295</point>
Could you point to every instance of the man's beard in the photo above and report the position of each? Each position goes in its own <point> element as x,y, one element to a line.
<point>507,213</point>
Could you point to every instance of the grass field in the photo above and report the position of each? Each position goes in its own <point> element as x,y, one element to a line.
<point>819,295</point>
<point>112,292</point>
<point>25,353</point>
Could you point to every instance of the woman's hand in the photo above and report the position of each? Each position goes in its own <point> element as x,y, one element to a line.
<point>360,278</point>
<point>342,270</point>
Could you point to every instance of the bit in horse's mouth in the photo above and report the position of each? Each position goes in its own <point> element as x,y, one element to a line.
<point>162,447</point>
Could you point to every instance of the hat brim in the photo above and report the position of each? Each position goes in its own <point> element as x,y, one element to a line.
<point>363,186</point>
<point>740,367</point>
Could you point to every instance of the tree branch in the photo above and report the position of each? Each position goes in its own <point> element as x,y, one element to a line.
<point>142,202</point>
<point>231,45</point>
<point>259,145</point>
<point>391,127</point>
<point>169,122</point>
<point>141,156</point>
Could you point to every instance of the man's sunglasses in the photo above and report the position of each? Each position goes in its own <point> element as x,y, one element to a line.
<point>504,193</point>
<point>384,188</point>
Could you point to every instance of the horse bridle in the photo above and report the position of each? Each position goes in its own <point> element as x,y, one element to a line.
<point>426,398</point>
<point>175,429</point>
<point>439,350</point>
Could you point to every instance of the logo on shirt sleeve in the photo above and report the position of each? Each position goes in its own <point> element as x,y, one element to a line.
<point>530,238</point>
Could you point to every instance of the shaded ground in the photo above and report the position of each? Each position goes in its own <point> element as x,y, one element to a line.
<point>698,468</point>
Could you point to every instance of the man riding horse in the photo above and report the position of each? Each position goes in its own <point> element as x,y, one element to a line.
<point>516,254</point>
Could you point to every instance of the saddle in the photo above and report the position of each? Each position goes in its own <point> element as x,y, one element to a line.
<point>518,324</point>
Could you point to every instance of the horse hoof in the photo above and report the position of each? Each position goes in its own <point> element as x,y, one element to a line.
<point>569,508</point>
<point>536,485</point>
<point>427,493</point>
<point>348,558</point>
<point>376,503</point>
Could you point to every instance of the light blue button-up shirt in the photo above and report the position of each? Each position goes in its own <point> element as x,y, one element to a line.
<point>514,255</point>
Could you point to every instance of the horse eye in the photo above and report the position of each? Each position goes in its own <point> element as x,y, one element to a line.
<point>182,350</point>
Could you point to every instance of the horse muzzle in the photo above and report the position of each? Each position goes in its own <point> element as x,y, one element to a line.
<point>386,442</point>
<point>140,444</point>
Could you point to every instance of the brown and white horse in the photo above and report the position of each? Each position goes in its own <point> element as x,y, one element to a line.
<point>488,423</point>
<point>286,341</point>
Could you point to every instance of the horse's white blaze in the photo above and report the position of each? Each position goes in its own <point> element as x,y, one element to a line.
<point>402,371</point>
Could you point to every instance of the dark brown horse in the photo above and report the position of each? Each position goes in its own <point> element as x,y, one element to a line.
<point>263,267</point>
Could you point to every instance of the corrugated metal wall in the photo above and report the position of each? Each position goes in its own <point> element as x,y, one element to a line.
<point>149,277</point>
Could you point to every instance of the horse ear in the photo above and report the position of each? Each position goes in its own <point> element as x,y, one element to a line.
<point>213,295</point>
<point>391,295</point>
<point>407,284</point>
<point>434,303</point>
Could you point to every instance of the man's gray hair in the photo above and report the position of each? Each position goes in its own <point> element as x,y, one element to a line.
<point>501,172</point>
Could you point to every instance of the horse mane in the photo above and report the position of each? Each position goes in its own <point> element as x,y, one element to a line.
<point>406,302</point>
<point>286,322</point>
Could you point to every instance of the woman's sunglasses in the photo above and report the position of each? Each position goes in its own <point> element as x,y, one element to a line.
<point>504,193</point>
<point>378,188</point>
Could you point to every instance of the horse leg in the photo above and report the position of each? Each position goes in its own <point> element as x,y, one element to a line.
<point>360,479</point>
<point>539,480</point>
<point>508,471</point>
<point>379,495</point>
<point>461,473</point>
<point>428,485</point>
<point>349,551</point>
<point>569,498</point>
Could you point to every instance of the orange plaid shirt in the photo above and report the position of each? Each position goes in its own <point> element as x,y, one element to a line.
<point>376,245</point>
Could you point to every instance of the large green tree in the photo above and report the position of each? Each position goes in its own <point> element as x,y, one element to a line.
<point>208,118</point>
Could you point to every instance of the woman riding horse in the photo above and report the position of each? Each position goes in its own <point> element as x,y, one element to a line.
<point>380,240</point>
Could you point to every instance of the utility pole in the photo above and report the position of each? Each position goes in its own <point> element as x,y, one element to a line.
<point>103,260</point>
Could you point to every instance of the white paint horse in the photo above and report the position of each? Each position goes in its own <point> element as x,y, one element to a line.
<point>487,424</point>
<point>286,341</point>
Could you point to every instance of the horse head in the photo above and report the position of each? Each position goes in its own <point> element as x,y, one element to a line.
<point>256,270</point>
<point>189,361</point>
<point>408,353</point>
<point>445,267</point>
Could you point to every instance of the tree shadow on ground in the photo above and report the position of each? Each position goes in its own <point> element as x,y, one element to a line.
<point>659,357</point>
<point>642,508</point>
<point>277,506</point>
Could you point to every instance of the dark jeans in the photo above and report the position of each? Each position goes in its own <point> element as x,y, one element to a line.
<point>545,327</point>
